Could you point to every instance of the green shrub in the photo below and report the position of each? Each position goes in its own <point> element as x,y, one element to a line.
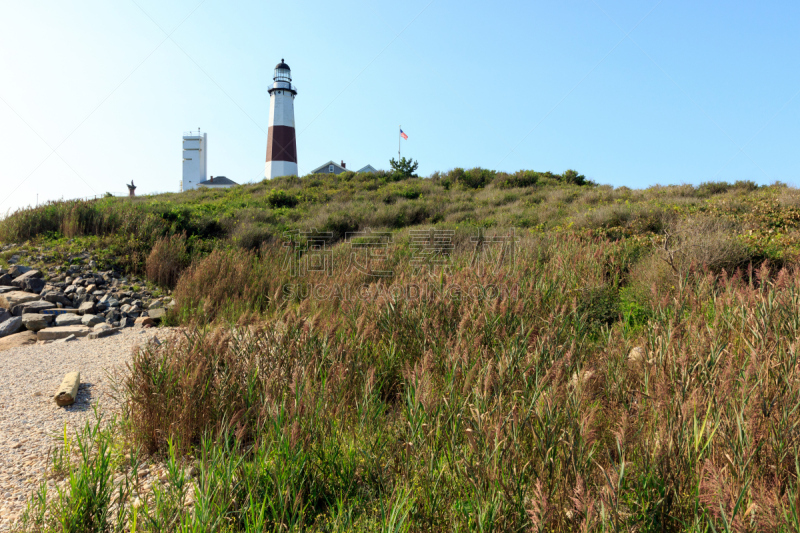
<point>599,306</point>
<point>521,178</point>
<point>474,178</point>
<point>279,198</point>
<point>572,177</point>
<point>711,188</point>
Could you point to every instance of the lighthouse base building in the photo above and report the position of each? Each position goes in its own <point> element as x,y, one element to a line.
<point>281,140</point>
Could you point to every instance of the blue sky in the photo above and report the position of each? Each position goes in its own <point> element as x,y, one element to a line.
<point>96,93</point>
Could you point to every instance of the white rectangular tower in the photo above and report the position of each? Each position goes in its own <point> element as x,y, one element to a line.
<point>195,150</point>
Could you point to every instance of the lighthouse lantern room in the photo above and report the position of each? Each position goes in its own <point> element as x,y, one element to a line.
<point>281,141</point>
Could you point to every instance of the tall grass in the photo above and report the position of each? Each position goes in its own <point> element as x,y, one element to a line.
<point>526,412</point>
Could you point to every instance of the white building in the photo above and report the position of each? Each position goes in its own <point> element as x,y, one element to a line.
<point>195,150</point>
<point>281,141</point>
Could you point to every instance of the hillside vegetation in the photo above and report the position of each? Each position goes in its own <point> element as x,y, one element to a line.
<point>493,352</point>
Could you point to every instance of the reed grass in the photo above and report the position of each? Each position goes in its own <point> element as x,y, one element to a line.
<point>523,412</point>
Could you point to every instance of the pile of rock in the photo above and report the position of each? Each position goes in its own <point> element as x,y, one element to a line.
<point>78,303</point>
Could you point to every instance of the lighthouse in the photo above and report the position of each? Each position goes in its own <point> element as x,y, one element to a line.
<point>281,143</point>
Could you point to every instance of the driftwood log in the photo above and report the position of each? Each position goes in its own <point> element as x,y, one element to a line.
<point>68,391</point>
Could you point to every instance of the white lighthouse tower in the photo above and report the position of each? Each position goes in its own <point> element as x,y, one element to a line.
<point>281,142</point>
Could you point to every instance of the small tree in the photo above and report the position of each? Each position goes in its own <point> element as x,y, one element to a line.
<point>404,168</point>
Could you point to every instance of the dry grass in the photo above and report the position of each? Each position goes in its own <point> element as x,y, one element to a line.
<point>167,259</point>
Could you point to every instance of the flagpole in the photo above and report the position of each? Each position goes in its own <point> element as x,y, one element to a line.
<point>399,129</point>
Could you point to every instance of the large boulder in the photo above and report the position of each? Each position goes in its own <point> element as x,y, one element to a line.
<point>62,332</point>
<point>56,297</point>
<point>68,319</point>
<point>10,299</point>
<point>36,321</point>
<point>30,284</point>
<point>10,326</point>
<point>143,321</point>
<point>36,306</point>
<point>157,314</point>
<point>99,334</point>
<point>6,279</point>
<point>4,314</point>
<point>91,320</point>
<point>86,308</point>
<point>18,270</point>
<point>20,280</point>
<point>18,339</point>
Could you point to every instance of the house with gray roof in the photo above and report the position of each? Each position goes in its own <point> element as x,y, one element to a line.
<point>217,182</point>
<point>332,168</point>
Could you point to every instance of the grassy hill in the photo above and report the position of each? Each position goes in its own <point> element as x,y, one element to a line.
<point>622,360</point>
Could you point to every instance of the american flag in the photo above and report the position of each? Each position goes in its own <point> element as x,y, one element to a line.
<point>403,135</point>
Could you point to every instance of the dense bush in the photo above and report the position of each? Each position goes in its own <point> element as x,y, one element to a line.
<point>474,178</point>
<point>280,198</point>
<point>522,178</point>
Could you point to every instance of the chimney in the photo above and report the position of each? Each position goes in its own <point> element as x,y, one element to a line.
<point>212,179</point>
<point>343,165</point>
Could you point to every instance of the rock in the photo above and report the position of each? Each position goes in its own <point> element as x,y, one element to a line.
<point>6,279</point>
<point>17,339</point>
<point>102,326</point>
<point>18,270</point>
<point>56,297</point>
<point>59,332</point>
<point>4,314</point>
<point>86,308</point>
<point>68,319</point>
<point>112,302</point>
<point>143,321</point>
<point>126,322</point>
<point>68,391</point>
<point>639,355</point>
<point>19,280</point>
<point>157,313</point>
<point>10,326</point>
<point>103,333</point>
<point>192,471</point>
<point>68,339</point>
<point>37,306</point>
<point>36,321</point>
<point>91,320</point>
<point>33,285</point>
<point>156,303</point>
<point>82,299</point>
<point>10,299</point>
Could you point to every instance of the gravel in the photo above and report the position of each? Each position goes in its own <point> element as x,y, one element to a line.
<point>30,420</point>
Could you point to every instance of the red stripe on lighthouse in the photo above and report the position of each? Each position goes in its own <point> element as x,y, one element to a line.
<point>281,144</point>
